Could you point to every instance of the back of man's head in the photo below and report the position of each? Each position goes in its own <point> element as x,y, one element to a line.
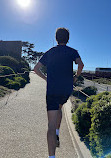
<point>62,35</point>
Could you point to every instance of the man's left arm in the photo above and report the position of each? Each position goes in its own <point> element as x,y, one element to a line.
<point>38,71</point>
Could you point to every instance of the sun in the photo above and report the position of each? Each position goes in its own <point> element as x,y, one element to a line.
<point>24,3</point>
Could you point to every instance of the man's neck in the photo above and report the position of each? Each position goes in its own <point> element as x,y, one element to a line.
<point>63,44</point>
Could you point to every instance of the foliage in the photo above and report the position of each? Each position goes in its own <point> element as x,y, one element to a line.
<point>4,91</point>
<point>75,104</point>
<point>82,120</point>
<point>91,90</point>
<point>5,70</point>
<point>10,62</point>
<point>15,83</point>
<point>79,81</point>
<point>16,65</point>
<point>29,55</point>
<point>11,84</point>
<point>103,80</point>
<point>20,80</point>
<point>93,122</point>
<point>23,65</point>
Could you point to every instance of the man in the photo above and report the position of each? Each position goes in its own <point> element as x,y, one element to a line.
<point>59,63</point>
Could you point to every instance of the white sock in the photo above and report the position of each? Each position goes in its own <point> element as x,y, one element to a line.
<point>52,156</point>
<point>57,132</point>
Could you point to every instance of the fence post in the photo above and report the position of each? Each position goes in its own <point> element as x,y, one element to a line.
<point>107,88</point>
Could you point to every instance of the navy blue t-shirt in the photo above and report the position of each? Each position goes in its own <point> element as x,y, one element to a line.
<point>59,63</point>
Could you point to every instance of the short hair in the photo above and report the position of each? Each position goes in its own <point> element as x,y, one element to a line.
<point>62,35</point>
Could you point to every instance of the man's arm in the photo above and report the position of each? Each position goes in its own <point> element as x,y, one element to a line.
<point>79,70</point>
<point>38,72</point>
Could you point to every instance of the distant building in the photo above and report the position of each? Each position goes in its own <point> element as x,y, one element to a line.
<point>103,72</point>
<point>11,48</point>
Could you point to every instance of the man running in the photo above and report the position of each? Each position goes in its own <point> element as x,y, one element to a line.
<point>59,63</point>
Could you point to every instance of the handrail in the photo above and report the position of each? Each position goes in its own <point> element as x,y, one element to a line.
<point>13,74</point>
<point>81,92</point>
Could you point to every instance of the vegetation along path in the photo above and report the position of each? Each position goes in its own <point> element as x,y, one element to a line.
<point>23,124</point>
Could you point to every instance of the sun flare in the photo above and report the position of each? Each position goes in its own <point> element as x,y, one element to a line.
<point>24,3</point>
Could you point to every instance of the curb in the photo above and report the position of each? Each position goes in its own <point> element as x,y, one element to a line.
<point>81,149</point>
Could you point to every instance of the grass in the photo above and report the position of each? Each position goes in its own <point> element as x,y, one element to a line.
<point>103,80</point>
<point>4,91</point>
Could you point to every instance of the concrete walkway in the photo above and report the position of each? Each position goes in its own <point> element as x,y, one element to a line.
<point>23,125</point>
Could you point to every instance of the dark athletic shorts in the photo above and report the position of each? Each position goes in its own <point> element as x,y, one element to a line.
<point>53,101</point>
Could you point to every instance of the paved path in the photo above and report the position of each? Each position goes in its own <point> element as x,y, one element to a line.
<point>101,87</point>
<point>23,124</point>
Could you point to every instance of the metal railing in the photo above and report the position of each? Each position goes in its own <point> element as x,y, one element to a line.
<point>13,74</point>
<point>81,91</point>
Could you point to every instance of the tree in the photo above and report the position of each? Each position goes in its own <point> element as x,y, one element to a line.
<point>29,54</point>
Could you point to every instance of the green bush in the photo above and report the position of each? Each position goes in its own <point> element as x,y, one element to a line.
<point>11,84</point>
<point>76,103</point>
<point>24,64</point>
<point>10,62</point>
<point>91,90</point>
<point>93,122</point>
<point>15,83</point>
<point>16,65</point>
<point>101,126</point>
<point>5,70</point>
<point>82,120</point>
<point>9,65</point>
<point>20,80</point>
<point>4,91</point>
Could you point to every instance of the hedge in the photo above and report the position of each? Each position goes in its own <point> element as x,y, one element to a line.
<point>10,62</point>
<point>16,65</point>
<point>5,70</point>
<point>13,82</point>
<point>92,120</point>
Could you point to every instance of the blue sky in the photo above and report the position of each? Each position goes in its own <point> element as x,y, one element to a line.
<point>89,23</point>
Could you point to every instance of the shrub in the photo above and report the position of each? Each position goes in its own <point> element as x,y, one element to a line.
<point>101,127</point>
<point>23,65</point>
<point>91,90</point>
<point>10,62</point>
<point>75,105</point>
<point>20,80</point>
<point>93,122</point>
<point>26,76</point>
<point>12,84</point>
<point>5,70</point>
<point>4,91</point>
<point>16,65</point>
<point>16,83</point>
<point>19,66</point>
<point>82,120</point>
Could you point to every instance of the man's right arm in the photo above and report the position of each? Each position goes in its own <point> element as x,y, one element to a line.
<point>38,72</point>
<point>79,70</point>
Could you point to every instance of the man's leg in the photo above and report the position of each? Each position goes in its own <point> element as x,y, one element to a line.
<point>51,133</point>
<point>59,117</point>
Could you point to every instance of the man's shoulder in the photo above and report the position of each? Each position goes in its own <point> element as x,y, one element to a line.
<point>50,50</point>
<point>72,49</point>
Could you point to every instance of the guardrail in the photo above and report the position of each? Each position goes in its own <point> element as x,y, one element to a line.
<point>81,92</point>
<point>13,74</point>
